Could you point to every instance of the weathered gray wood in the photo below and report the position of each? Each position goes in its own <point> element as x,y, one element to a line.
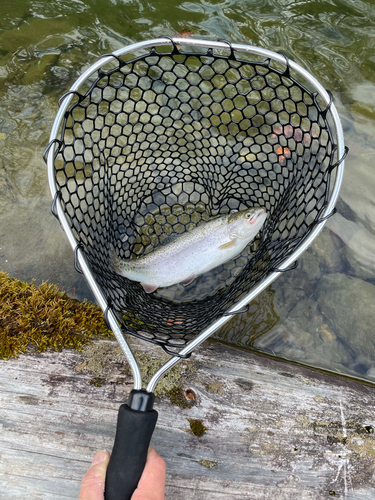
<point>276,430</point>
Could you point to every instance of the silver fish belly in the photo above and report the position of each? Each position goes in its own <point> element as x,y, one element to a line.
<point>192,253</point>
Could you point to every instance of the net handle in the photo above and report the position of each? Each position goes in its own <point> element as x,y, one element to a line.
<point>135,427</point>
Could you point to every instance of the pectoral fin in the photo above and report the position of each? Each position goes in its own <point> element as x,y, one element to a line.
<point>148,288</point>
<point>188,280</point>
<point>230,244</point>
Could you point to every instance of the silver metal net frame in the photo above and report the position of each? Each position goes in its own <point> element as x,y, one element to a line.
<point>283,141</point>
<point>241,304</point>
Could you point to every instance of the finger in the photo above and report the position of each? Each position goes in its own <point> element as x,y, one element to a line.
<point>92,486</point>
<point>151,486</point>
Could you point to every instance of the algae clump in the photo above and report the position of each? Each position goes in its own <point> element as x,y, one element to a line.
<point>196,427</point>
<point>207,463</point>
<point>171,384</point>
<point>44,316</point>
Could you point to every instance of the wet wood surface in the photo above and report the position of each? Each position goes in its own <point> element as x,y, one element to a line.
<point>274,429</point>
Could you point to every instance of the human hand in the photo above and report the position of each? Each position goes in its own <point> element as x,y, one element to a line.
<point>151,486</point>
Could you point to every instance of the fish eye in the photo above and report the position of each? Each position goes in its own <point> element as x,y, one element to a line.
<point>248,215</point>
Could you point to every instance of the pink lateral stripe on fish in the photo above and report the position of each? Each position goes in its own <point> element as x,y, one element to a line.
<point>194,252</point>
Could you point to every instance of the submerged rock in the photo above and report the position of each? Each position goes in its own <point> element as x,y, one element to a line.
<point>343,228</point>
<point>293,286</point>
<point>325,249</point>
<point>318,347</point>
<point>308,271</point>
<point>359,249</point>
<point>348,304</point>
<point>358,186</point>
<point>360,254</point>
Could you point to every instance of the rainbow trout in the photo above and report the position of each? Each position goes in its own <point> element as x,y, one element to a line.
<point>194,252</point>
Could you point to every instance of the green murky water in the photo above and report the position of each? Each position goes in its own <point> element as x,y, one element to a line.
<point>322,313</point>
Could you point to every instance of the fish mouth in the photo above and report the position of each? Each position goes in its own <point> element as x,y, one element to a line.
<point>255,218</point>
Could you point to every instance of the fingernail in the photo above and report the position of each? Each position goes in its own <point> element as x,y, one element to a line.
<point>99,458</point>
<point>150,450</point>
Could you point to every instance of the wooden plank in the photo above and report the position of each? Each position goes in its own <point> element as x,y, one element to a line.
<point>274,429</point>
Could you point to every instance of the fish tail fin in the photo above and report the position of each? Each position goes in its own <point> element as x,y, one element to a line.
<point>114,259</point>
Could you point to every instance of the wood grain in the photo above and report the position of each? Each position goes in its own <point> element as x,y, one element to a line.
<point>276,430</point>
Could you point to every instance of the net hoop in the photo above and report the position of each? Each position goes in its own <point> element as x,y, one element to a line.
<point>327,109</point>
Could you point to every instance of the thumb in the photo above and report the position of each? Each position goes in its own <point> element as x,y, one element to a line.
<point>93,482</point>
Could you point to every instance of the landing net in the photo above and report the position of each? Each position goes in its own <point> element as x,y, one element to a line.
<point>163,140</point>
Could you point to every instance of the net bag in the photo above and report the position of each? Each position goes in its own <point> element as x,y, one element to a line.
<point>156,139</point>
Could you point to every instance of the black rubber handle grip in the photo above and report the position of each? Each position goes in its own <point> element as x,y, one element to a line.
<point>129,454</point>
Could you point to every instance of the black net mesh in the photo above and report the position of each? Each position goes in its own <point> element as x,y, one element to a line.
<point>165,141</point>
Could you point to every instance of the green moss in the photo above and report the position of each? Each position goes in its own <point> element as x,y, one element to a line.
<point>171,384</point>
<point>45,317</point>
<point>196,427</point>
<point>335,439</point>
<point>360,439</point>
<point>364,447</point>
<point>207,463</point>
<point>215,388</point>
<point>101,359</point>
<point>97,381</point>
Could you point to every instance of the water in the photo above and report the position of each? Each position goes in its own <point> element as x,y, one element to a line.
<point>320,314</point>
